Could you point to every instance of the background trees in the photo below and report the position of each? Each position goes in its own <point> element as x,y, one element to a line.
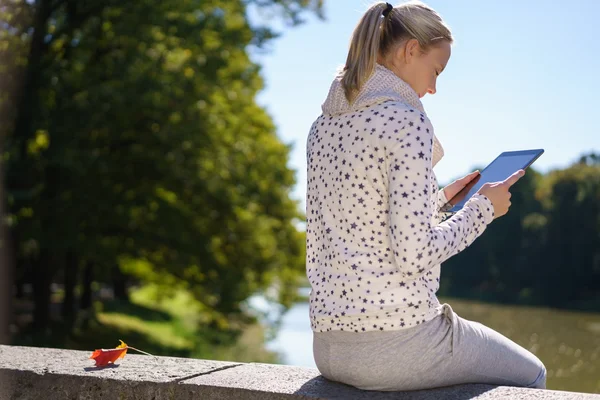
<point>546,250</point>
<point>137,150</point>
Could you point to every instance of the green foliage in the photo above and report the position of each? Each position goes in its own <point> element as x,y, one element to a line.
<point>546,250</point>
<point>138,143</point>
<point>571,199</point>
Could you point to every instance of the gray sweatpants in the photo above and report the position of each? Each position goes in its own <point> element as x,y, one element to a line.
<point>447,350</point>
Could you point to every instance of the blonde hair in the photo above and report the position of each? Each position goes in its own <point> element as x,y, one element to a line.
<point>376,34</point>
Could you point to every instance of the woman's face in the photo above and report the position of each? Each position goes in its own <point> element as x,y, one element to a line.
<point>421,70</point>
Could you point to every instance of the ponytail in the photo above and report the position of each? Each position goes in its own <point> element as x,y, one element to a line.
<point>364,49</point>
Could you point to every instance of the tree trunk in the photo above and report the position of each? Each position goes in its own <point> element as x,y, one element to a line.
<point>19,289</point>
<point>85,302</point>
<point>6,270</point>
<point>42,278</point>
<point>119,284</point>
<point>70,280</point>
<point>88,277</point>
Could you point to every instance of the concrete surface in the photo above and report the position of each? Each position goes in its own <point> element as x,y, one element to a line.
<point>40,373</point>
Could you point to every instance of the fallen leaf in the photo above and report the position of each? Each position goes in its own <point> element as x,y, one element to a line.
<point>105,356</point>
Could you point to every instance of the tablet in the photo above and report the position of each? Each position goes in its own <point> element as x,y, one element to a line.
<point>498,170</point>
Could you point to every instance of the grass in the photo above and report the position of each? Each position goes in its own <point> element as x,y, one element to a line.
<point>164,334</point>
<point>168,325</point>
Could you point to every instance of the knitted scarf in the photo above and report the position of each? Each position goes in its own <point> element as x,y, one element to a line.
<point>382,85</point>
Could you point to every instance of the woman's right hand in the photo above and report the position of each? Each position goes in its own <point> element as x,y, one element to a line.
<point>498,193</point>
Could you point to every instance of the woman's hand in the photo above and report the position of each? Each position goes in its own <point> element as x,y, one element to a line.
<point>498,193</point>
<point>452,189</point>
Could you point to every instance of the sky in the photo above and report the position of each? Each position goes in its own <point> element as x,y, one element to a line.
<point>522,75</point>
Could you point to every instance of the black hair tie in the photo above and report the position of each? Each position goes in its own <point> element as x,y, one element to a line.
<point>388,8</point>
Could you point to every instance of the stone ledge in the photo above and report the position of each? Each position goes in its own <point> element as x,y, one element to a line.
<point>41,373</point>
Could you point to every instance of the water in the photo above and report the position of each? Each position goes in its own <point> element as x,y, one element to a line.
<point>567,342</point>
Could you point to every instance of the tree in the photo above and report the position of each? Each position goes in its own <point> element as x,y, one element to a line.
<point>138,138</point>
<point>495,266</point>
<point>571,255</point>
<point>545,251</point>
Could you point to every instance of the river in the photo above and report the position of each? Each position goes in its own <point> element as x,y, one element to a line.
<point>567,342</point>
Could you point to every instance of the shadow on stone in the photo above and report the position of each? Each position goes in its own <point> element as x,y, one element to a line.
<point>320,387</point>
<point>92,369</point>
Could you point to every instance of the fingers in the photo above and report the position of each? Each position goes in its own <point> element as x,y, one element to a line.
<point>469,178</point>
<point>511,180</point>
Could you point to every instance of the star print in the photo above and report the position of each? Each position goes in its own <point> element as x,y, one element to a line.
<point>374,235</point>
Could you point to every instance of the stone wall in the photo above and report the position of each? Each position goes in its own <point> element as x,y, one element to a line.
<point>41,373</point>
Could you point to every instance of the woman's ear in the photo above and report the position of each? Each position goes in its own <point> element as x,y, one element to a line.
<point>410,50</point>
<point>398,56</point>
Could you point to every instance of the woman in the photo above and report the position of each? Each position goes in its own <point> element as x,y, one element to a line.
<point>375,236</point>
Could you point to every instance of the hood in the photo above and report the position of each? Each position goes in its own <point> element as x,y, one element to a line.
<point>382,85</point>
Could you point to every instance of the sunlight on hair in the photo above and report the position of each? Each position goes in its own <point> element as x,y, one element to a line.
<point>375,35</point>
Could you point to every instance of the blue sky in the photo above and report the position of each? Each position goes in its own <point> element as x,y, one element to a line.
<point>522,75</point>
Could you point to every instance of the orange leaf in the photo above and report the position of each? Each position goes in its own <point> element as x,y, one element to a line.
<point>104,357</point>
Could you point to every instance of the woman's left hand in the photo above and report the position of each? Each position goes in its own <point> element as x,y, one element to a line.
<point>452,189</point>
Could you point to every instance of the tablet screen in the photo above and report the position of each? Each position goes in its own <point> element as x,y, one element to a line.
<point>501,168</point>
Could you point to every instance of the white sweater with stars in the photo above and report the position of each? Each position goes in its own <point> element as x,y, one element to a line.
<point>374,235</point>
